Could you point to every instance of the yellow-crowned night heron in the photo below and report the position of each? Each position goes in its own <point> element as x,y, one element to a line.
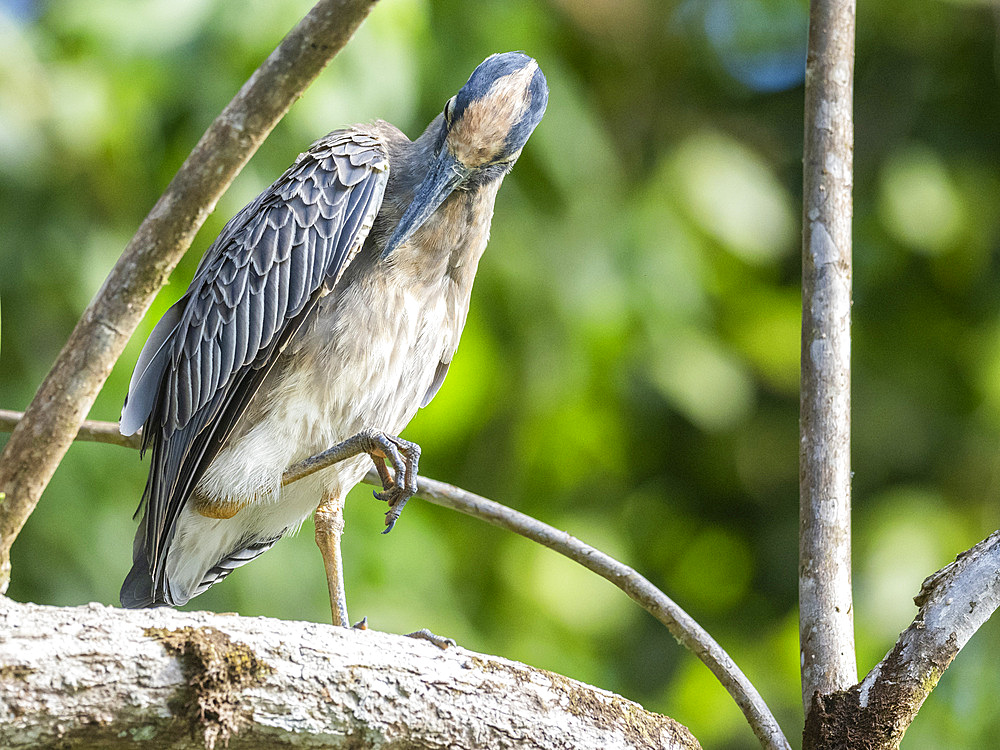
<point>326,312</point>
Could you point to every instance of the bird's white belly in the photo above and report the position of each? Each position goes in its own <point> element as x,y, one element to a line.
<point>337,386</point>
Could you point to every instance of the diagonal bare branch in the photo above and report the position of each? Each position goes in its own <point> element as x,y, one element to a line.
<point>826,612</point>
<point>680,624</point>
<point>54,416</point>
<point>953,604</point>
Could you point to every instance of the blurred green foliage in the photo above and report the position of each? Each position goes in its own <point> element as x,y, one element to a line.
<point>630,368</point>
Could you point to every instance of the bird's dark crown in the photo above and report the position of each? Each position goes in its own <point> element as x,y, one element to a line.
<point>489,120</point>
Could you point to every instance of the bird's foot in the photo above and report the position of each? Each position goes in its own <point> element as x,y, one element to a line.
<point>404,457</point>
<point>397,487</point>
<point>425,635</point>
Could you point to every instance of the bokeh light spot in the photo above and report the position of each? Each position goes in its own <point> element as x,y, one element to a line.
<point>918,202</point>
<point>734,197</point>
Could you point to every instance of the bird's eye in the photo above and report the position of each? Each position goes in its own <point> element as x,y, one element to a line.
<point>449,110</point>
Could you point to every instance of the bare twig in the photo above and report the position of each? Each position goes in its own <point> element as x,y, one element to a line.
<point>826,613</point>
<point>52,419</point>
<point>680,624</point>
<point>90,431</point>
<point>954,603</point>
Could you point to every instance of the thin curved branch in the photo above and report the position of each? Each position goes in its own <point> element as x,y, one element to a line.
<point>954,603</point>
<point>54,416</point>
<point>826,612</point>
<point>680,624</point>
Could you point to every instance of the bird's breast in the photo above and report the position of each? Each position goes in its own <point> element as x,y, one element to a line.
<point>366,357</point>
<point>366,360</point>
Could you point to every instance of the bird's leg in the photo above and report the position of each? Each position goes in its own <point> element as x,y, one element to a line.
<point>402,454</point>
<point>329,520</point>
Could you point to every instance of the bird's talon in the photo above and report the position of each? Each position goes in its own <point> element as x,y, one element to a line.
<point>396,505</point>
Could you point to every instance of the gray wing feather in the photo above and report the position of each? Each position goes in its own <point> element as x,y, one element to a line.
<point>153,360</point>
<point>259,257</point>
<point>253,288</point>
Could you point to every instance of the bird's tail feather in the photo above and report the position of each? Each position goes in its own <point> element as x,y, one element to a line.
<point>138,591</point>
<point>221,569</point>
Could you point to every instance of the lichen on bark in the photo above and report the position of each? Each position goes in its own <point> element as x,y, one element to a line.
<point>217,670</point>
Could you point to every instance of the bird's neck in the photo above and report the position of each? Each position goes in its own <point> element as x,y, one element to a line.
<point>452,240</point>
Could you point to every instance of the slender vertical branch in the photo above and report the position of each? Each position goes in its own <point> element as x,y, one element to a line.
<point>51,421</point>
<point>826,614</point>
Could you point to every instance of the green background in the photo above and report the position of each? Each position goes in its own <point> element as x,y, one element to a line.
<point>629,372</point>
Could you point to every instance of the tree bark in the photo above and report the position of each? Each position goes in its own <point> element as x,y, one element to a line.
<point>40,440</point>
<point>826,612</point>
<point>95,676</point>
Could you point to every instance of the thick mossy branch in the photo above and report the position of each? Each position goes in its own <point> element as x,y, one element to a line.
<point>681,625</point>
<point>93,676</point>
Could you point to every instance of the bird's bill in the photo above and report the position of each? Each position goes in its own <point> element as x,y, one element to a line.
<point>446,174</point>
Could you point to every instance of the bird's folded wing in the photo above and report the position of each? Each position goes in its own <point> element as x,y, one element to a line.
<point>256,284</point>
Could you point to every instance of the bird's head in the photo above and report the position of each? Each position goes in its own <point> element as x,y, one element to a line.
<point>489,120</point>
<point>484,127</point>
